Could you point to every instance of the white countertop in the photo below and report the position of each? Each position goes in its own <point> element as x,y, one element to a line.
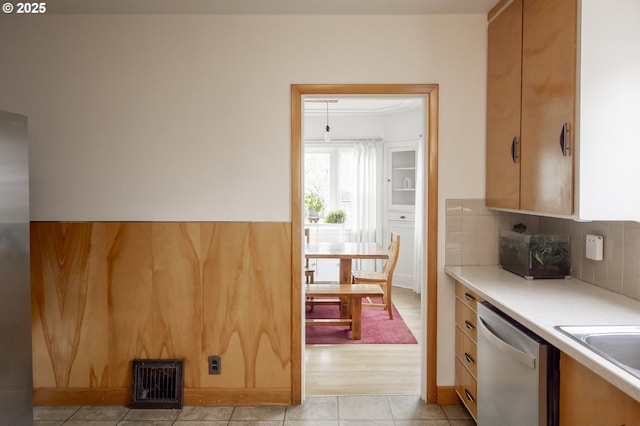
<point>540,305</point>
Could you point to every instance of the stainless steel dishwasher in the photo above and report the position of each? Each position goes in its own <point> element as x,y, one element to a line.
<point>518,373</point>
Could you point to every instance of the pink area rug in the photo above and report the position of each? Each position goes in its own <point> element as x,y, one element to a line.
<point>376,327</point>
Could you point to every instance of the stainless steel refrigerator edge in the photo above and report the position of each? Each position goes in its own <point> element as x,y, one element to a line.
<point>16,376</point>
<point>518,377</point>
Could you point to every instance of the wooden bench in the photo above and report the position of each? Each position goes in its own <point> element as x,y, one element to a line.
<point>350,311</point>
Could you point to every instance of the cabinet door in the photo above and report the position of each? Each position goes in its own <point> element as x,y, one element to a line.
<point>548,103</point>
<point>466,388</point>
<point>401,177</point>
<point>504,69</point>
<point>587,399</point>
<point>403,275</point>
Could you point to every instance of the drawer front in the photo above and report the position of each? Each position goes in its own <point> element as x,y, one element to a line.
<point>467,389</point>
<point>467,296</point>
<point>467,352</point>
<point>467,320</point>
<point>400,216</point>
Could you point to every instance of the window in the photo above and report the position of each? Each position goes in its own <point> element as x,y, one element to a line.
<point>328,172</point>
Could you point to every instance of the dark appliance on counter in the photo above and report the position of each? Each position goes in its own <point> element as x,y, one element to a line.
<point>535,255</point>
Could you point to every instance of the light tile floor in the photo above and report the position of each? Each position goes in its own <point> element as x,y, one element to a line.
<point>352,410</point>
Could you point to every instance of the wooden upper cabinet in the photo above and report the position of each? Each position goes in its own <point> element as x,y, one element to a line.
<point>531,93</point>
<point>548,105</point>
<point>504,70</point>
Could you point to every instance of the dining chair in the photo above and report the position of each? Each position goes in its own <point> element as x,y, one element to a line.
<point>384,278</point>
<point>309,272</point>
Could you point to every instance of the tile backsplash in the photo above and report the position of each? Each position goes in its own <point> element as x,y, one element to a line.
<point>472,235</point>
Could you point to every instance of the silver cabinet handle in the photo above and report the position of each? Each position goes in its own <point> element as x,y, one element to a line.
<point>469,358</point>
<point>516,354</point>
<point>469,325</point>
<point>564,139</point>
<point>514,149</point>
<point>469,297</point>
<point>469,396</point>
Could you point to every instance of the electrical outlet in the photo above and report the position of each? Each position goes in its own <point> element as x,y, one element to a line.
<point>214,364</point>
<point>593,248</point>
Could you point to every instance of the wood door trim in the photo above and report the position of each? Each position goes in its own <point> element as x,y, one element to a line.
<point>498,9</point>
<point>429,90</point>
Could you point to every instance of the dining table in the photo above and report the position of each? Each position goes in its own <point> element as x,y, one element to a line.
<point>346,252</point>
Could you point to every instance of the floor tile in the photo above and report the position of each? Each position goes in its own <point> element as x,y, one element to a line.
<point>311,423</point>
<point>456,412</point>
<point>152,414</point>
<point>468,422</point>
<point>349,410</point>
<point>54,413</point>
<point>374,407</point>
<point>314,408</point>
<point>413,408</point>
<point>206,413</point>
<point>100,413</point>
<point>258,413</point>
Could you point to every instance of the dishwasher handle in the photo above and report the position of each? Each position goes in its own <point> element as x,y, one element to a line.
<point>516,354</point>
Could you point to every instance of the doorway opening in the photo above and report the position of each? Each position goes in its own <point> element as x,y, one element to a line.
<point>428,233</point>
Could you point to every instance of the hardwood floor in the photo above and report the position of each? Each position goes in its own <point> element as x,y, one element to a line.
<point>368,369</point>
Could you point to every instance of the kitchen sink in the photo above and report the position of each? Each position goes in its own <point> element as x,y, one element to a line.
<point>619,344</point>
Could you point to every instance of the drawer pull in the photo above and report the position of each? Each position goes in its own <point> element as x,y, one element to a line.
<point>564,139</point>
<point>469,396</point>
<point>514,149</point>
<point>469,297</point>
<point>469,325</point>
<point>469,358</point>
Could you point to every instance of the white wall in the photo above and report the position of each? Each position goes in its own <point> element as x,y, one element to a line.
<point>408,125</point>
<point>354,126</point>
<point>608,132</point>
<point>187,117</point>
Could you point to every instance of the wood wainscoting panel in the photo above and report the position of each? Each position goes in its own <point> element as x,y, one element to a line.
<point>247,304</point>
<point>105,293</point>
<point>154,299</point>
<point>60,264</point>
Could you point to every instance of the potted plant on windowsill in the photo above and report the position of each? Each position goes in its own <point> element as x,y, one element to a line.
<point>314,206</point>
<point>336,216</point>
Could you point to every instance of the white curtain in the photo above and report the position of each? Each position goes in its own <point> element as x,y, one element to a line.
<point>364,209</point>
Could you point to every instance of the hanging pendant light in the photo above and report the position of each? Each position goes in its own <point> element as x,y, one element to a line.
<point>327,135</point>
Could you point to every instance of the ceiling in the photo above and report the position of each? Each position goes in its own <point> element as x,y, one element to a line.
<point>352,105</point>
<point>273,7</point>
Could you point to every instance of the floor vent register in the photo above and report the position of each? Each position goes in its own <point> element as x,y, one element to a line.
<point>157,383</point>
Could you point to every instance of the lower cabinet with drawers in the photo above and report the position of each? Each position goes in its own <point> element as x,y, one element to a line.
<point>585,398</point>
<point>466,379</point>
